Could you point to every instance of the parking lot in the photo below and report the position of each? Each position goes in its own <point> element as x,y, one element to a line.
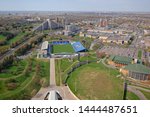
<point>129,52</point>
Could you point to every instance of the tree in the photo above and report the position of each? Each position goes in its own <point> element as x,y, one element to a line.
<point>100,54</point>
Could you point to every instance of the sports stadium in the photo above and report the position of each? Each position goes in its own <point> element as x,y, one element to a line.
<point>61,49</point>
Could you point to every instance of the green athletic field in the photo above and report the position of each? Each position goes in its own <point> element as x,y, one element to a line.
<point>62,49</point>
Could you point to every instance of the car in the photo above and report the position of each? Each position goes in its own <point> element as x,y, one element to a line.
<point>53,95</point>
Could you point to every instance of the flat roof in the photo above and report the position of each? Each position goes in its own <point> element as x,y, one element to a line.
<point>78,47</point>
<point>44,45</point>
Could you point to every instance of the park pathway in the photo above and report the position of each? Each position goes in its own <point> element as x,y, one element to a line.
<point>52,72</point>
<point>140,88</point>
<point>64,91</point>
<point>137,92</point>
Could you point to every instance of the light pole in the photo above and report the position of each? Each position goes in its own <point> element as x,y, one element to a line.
<point>125,90</point>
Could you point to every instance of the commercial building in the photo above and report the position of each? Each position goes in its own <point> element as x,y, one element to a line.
<point>136,71</point>
<point>103,23</point>
<point>43,53</point>
<point>71,30</point>
<point>146,41</point>
<point>116,39</point>
<point>119,61</point>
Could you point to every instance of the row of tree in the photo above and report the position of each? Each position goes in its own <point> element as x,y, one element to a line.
<point>16,43</point>
<point>23,49</point>
<point>3,49</point>
<point>8,35</point>
<point>6,62</point>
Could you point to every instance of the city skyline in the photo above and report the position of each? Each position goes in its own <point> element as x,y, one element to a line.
<point>78,5</point>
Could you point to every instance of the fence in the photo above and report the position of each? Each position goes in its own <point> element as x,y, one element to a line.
<point>75,67</point>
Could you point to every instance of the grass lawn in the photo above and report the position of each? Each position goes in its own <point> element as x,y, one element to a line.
<point>63,49</point>
<point>27,84</point>
<point>45,72</point>
<point>18,37</point>
<point>91,57</point>
<point>61,67</point>
<point>95,81</point>
<point>132,96</point>
<point>57,72</point>
<point>14,70</point>
<point>2,37</point>
<point>139,54</point>
<point>147,94</point>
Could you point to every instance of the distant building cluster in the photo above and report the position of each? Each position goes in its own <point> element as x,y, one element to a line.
<point>71,30</point>
<point>103,23</point>
<point>107,36</point>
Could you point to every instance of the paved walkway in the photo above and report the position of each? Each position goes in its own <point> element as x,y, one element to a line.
<point>64,91</point>
<point>137,92</point>
<point>52,72</point>
<point>140,88</point>
<point>109,66</point>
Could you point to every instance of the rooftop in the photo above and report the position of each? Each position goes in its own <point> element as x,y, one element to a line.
<point>44,45</point>
<point>139,68</point>
<point>77,46</point>
<point>121,59</point>
<point>119,37</point>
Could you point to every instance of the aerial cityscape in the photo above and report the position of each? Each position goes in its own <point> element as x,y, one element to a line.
<point>83,50</point>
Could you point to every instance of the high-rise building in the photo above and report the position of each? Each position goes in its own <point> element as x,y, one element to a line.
<point>103,23</point>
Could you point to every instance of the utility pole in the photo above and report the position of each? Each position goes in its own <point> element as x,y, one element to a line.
<point>125,90</point>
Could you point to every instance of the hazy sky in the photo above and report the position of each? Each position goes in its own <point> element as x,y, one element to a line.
<point>75,5</point>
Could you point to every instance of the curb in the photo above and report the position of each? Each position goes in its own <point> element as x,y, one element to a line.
<point>73,93</point>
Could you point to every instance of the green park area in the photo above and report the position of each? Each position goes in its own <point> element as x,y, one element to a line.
<point>2,37</point>
<point>95,81</point>
<point>92,81</point>
<point>16,38</point>
<point>62,66</point>
<point>146,94</point>
<point>139,54</point>
<point>23,79</point>
<point>62,49</point>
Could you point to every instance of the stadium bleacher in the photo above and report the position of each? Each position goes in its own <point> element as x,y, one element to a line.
<point>78,47</point>
<point>60,42</point>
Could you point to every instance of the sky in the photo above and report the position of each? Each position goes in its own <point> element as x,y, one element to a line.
<point>75,5</point>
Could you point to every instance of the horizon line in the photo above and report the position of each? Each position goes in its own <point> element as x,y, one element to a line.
<point>73,11</point>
